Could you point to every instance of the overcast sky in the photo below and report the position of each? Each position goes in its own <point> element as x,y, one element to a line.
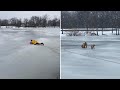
<point>28,14</point>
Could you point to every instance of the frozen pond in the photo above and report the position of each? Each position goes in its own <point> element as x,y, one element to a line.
<point>19,59</point>
<point>103,62</point>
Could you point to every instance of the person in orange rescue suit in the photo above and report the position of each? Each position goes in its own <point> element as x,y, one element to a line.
<point>35,42</point>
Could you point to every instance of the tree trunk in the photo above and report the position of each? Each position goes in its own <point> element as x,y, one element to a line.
<point>118,31</point>
<point>102,31</point>
<point>87,30</point>
<point>97,31</point>
<point>62,31</point>
<point>112,30</point>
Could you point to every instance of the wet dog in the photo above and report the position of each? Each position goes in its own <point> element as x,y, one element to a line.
<point>93,46</point>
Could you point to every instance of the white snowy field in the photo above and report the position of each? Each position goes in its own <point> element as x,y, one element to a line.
<point>20,60</point>
<point>103,62</point>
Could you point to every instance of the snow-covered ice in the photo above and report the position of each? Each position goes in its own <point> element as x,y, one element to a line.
<point>103,62</point>
<point>19,59</point>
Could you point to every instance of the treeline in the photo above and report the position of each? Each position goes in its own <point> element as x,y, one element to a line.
<point>90,19</point>
<point>34,21</point>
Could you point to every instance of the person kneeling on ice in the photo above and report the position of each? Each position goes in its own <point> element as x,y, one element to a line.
<point>84,45</point>
<point>36,42</point>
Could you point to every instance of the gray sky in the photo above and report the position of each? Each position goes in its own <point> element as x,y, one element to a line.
<point>28,14</point>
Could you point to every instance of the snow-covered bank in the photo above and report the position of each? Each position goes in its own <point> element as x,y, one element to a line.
<point>88,28</point>
<point>21,60</point>
<point>90,33</point>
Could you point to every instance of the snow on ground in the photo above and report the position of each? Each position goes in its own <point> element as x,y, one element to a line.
<point>103,62</point>
<point>88,28</point>
<point>83,33</point>
<point>19,59</point>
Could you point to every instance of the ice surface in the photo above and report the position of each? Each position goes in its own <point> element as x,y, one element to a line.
<point>19,59</point>
<point>103,62</point>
